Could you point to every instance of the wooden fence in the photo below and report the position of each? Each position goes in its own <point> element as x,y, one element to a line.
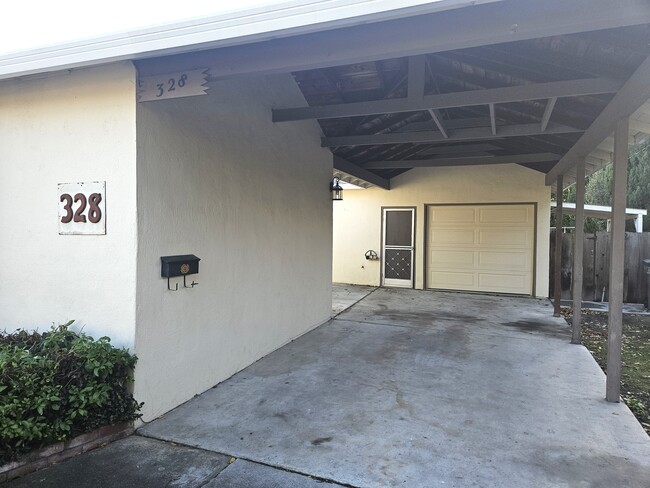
<point>596,266</point>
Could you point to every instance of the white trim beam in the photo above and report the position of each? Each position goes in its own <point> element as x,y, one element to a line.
<point>600,211</point>
<point>493,119</point>
<point>634,93</point>
<point>548,111</point>
<point>473,134</point>
<point>437,118</point>
<point>359,172</point>
<point>533,91</point>
<point>472,26</point>
<point>463,161</point>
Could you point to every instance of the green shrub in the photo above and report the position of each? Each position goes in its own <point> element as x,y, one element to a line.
<point>59,384</point>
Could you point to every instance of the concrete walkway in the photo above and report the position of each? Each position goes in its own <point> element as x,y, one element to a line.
<point>344,296</point>
<point>405,388</point>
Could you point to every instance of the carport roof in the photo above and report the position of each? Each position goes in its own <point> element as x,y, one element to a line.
<point>398,84</point>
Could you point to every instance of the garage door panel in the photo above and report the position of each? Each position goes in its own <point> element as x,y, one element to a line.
<point>452,236</point>
<point>506,283</point>
<point>453,280</point>
<point>449,258</point>
<point>453,214</point>
<point>515,261</point>
<point>500,215</point>
<point>487,248</point>
<point>504,237</point>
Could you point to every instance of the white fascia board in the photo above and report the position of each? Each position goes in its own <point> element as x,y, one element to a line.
<point>235,28</point>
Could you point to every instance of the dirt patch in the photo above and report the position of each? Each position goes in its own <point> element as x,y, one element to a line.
<point>635,373</point>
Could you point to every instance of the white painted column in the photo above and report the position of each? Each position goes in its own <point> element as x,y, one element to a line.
<point>557,287</point>
<point>578,248</point>
<point>638,223</point>
<point>617,262</point>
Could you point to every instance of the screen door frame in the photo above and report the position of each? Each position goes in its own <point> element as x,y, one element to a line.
<point>403,283</point>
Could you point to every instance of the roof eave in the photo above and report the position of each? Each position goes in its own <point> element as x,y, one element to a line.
<point>231,29</point>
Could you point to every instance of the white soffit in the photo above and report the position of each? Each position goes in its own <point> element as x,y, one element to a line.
<point>352,180</point>
<point>229,29</point>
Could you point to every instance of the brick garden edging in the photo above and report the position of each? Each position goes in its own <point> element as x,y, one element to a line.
<point>64,450</point>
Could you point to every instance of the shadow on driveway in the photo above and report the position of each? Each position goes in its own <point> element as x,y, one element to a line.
<point>405,388</point>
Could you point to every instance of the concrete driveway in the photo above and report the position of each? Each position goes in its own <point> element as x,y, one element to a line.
<point>424,389</point>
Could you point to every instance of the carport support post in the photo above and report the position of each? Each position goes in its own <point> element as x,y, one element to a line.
<point>578,248</point>
<point>617,260</point>
<point>557,287</point>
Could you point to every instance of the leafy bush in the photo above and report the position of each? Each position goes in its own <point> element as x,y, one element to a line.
<point>59,384</point>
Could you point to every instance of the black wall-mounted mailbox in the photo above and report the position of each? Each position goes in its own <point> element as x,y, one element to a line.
<point>182,265</point>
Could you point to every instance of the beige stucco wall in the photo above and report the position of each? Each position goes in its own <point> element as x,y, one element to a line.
<point>218,179</point>
<point>70,127</point>
<point>357,219</point>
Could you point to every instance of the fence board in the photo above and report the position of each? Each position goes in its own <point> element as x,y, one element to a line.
<point>595,264</point>
<point>601,265</point>
<point>632,265</point>
<point>588,266</point>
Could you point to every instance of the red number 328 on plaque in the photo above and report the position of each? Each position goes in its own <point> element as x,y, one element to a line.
<point>82,208</point>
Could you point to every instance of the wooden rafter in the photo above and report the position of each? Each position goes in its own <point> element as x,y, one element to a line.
<point>493,119</point>
<point>437,119</point>
<point>416,77</point>
<point>632,95</point>
<point>548,111</point>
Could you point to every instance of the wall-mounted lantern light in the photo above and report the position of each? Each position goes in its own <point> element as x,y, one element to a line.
<point>337,191</point>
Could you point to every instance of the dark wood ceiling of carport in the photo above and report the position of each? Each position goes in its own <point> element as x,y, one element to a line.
<point>536,129</point>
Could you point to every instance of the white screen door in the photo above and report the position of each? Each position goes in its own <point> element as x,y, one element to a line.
<point>398,225</point>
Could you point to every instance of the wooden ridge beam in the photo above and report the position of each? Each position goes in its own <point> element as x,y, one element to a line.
<point>473,134</point>
<point>533,91</point>
<point>463,161</point>
<point>459,150</point>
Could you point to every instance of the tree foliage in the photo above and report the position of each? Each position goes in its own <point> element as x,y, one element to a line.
<point>598,189</point>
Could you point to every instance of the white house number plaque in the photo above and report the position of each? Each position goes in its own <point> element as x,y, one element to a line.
<point>187,83</point>
<point>82,208</point>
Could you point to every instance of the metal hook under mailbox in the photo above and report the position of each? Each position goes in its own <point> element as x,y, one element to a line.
<point>192,285</point>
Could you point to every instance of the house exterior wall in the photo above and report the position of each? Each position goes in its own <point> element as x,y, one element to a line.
<point>357,219</point>
<point>70,127</point>
<point>218,179</point>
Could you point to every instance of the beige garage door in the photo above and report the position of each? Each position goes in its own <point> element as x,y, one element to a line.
<point>486,248</point>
